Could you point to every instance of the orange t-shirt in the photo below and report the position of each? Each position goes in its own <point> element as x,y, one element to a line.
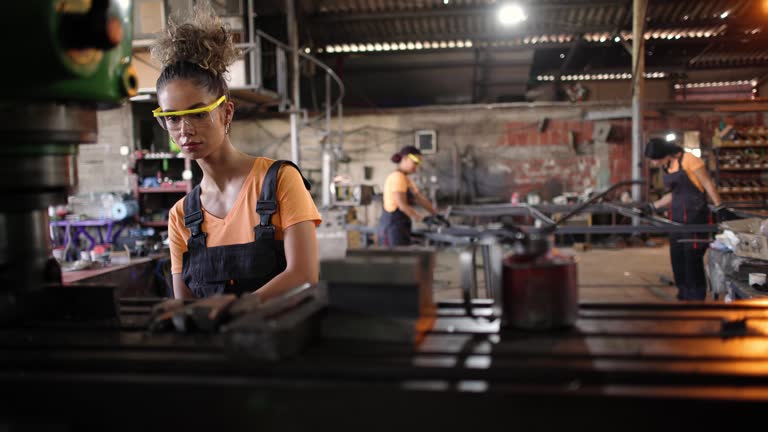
<point>294,205</point>
<point>396,182</point>
<point>691,163</point>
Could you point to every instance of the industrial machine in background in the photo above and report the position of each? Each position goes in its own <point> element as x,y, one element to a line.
<point>333,236</point>
<point>75,58</point>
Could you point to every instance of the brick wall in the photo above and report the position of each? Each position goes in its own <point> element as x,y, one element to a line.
<point>486,154</point>
<point>100,165</point>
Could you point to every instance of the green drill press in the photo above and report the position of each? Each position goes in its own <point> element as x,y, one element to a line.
<point>64,59</point>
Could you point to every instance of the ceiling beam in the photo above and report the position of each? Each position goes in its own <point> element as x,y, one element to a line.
<point>348,68</point>
<point>335,17</point>
<point>326,37</point>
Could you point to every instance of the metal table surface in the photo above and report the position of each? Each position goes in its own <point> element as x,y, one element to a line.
<point>630,366</point>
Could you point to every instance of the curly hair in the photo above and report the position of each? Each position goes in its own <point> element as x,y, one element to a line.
<point>197,47</point>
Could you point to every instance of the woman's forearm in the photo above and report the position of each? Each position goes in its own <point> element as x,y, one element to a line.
<point>712,192</point>
<point>411,212</point>
<point>424,202</point>
<point>283,282</point>
<point>664,201</point>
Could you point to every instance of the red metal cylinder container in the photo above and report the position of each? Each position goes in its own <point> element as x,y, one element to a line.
<point>541,294</point>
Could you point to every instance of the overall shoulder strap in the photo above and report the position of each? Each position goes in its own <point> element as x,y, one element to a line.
<point>267,203</point>
<point>193,215</point>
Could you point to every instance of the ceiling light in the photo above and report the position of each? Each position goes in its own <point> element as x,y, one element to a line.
<point>511,14</point>
<point>446,1</point>
<point>724,15</point>
<point>562,55</point>
<point>329,49</point>
<point>460,44</point>
<point>410,46</point>
<point>468,44</point>
<point>670,137</point>
<point>385,46</point>
<point>307,50</point>
<point>377,47</point>
<point>402,45</point>
<point>418,45</point>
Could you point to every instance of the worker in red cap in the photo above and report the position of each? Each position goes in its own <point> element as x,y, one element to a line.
<point>689,184</point>
<point>400,195</point>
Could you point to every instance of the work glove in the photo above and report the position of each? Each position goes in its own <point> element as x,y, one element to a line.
<point>648,210</point>
<point>436,220</point>
<point>442,220</point>
<point>723,213</point>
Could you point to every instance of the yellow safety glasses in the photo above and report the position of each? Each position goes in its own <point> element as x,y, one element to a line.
<point>197,117</point>
<point>414,158</point>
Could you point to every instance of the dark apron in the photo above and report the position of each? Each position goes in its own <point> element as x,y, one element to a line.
<point>689,206</point>
<point>395,227</point>
<point>240,268</point>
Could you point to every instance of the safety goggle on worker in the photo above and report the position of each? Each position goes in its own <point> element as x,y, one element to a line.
<point>414,158</point>
<point>197,117</point>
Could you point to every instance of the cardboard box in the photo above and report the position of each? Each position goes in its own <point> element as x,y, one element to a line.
<point>751,243</point>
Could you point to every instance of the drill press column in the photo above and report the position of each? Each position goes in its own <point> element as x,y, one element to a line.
<point>75,59</point>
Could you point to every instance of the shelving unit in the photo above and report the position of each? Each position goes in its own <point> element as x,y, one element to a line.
<point>741,167</point>
<point>155,201</point>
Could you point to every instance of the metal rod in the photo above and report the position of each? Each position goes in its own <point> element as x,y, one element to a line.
<point>293,41</point>
<point>579,208</point>
<point>254,55</point>
<point>340,111</point>
<point>634,213</point>
<point>638,88</point>
<point>327,145</point>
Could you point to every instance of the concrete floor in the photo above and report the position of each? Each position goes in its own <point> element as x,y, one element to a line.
<point>629,274</point>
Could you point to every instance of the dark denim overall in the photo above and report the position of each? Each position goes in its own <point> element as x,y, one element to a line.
<point>395,227</point>
<point>689,206</point>
<point>240,268</point>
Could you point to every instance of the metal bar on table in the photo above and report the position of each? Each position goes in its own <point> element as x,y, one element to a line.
<point>634,213</point>
<point>539,215</point>
<point>637,229</point>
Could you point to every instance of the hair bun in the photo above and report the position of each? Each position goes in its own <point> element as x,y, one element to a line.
<point>201,38</point>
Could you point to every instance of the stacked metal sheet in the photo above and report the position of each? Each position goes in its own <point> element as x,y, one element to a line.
<point>380,294</point>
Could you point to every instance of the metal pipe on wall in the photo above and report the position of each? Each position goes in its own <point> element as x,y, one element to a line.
<point>327,143</point>
<point>293,41</point>
<point>638,89</point>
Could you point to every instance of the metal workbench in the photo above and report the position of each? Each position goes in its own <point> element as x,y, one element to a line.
<point>624,366</point>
